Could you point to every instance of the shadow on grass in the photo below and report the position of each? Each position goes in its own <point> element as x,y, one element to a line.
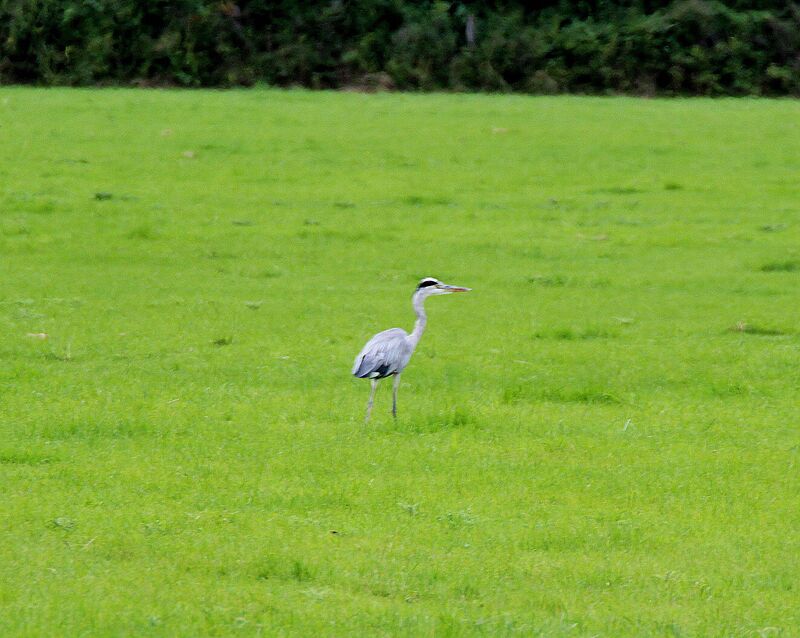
<point>143,232</point>
<point>533,394</point>
<point>285,569</point>
<point>24,458</point>
<point>419,200</point>
<point>750,329</point>
<point>561,281</point>
<point>781,266</point>
<point>619,190</point>
<point>727,390</point>
<point>568,334</point>
<point>452,419</point>
<point>91,430</point>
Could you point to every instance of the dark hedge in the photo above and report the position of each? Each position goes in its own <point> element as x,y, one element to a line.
<point>636,46</point>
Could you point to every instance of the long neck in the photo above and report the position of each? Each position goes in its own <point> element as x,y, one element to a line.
<point>419,325</point>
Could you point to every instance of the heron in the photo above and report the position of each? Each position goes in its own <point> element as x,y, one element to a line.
<point>388,352</point>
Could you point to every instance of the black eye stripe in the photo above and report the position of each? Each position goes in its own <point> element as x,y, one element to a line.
<point>427,282</point>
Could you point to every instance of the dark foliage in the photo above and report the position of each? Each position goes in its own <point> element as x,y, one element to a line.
<point>702,47</point>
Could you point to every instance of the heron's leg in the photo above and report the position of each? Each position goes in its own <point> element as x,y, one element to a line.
<point>394,395</point>
<point>374,384</point>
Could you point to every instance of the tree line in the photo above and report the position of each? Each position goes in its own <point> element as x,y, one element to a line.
<point>683,47</point>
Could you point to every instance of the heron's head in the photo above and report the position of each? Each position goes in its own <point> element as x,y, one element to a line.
<point>429,286</point>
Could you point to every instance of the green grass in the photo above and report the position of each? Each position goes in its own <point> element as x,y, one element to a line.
<point>601,440</point>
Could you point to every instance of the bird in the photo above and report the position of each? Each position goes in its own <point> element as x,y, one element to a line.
<point>388,352</point>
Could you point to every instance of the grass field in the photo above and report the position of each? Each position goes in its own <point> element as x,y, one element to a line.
<point>601,440</point>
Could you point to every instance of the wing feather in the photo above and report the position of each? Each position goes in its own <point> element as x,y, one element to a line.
<point>385,354</point>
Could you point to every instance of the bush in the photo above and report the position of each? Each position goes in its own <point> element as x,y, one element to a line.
<point>701,47</point>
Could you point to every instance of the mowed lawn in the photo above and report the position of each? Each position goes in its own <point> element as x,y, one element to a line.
<point>601,440</point>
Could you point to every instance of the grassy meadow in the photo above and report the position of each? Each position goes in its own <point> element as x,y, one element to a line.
<point>600,440</point>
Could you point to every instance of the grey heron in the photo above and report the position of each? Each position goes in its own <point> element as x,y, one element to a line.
<point>388,352</point>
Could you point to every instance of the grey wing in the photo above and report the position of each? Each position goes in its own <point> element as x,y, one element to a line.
<point>385,354</point>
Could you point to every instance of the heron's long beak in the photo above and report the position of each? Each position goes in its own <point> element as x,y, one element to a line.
<point>449,288</point>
